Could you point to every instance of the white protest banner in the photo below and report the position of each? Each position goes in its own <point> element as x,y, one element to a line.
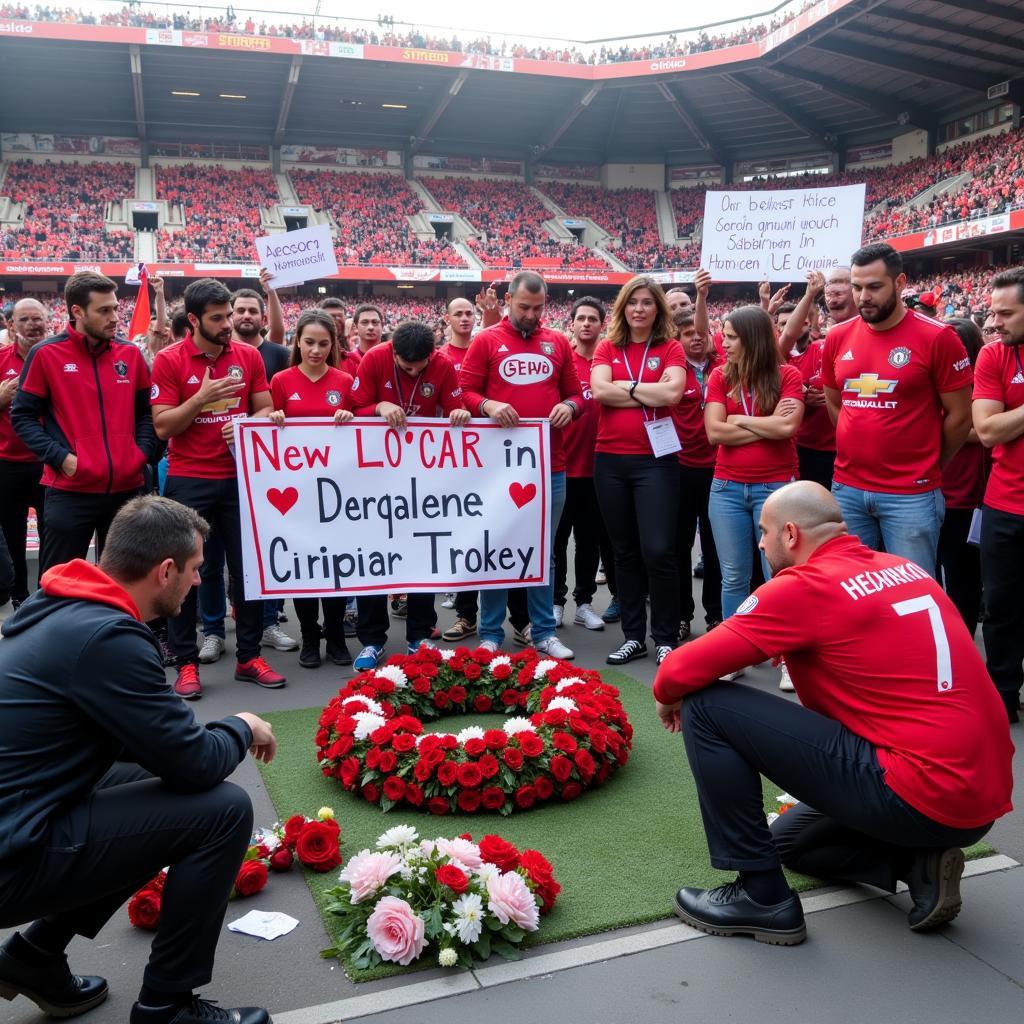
<point>750,236</point>
<point>297,256</point>
<point>362,508</point>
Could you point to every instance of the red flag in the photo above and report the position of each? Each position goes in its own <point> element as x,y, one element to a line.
<point>140,317</point>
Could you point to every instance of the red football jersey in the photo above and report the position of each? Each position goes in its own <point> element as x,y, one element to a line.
<point>453,354</point>
<point>889,434</point>
<point>12,448</point>
<point>697,450</point>
<point>873,642</point>
<point>296,395</point>
<point>200,451</point>
<point>581,434</point>
<point>763,461</point>
<point>816,428</point>
<point>999,377</point>
<point>435,392</point>
<point>621,431</point>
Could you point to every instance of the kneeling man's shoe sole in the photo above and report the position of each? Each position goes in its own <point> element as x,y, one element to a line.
<point>728,911</point>
<point>935,889</point>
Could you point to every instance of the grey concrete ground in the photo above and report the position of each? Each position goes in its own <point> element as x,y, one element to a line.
<point>860,962</point>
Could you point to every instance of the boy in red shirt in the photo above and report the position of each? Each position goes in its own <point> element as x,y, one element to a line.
<point>898,759</point>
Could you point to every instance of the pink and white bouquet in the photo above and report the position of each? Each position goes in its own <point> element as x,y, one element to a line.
<point>462,900</point>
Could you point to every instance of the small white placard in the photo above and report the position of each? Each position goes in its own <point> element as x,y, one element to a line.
<point>295,257</point>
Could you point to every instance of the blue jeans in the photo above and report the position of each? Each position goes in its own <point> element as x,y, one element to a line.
<point>735,511</point>
<point>907,525</point>
<point>213,605</point>
<point>540,601</point>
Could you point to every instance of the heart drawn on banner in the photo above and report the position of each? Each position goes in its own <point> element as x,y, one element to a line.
<point>522,495</point>
<point>283,500</point>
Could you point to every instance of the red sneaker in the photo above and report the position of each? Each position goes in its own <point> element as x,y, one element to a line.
<point>259,672</point>
<point>187,685</point>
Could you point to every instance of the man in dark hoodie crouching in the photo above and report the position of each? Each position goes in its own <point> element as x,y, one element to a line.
<point>106,776</point>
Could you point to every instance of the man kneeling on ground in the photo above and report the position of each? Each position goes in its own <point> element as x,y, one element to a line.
<point>899,756</point>
<point>106,777</point>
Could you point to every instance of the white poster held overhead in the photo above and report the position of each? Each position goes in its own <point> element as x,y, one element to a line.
<point>363,509</point>
<point>779,236</point>
<point>297,256</point>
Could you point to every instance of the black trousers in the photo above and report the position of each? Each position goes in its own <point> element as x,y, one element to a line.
<point>307,611</point>
<point>71,520</point>
<point>467,606</point>
<point>581,517</point>
<point>849,825</point>
<point>217,502</point>
<point>960,565</point>
<point>1002,577</point>
<point>19,491</point>
<point>816,465</point>
<point>694,492</point>
<point>639,497</point>
<point>102,850</point>
<point>373,619</point>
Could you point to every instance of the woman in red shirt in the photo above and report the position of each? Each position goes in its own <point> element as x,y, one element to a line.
<point>637,375</point>
<point>314,386</point>
<point>753,410</point>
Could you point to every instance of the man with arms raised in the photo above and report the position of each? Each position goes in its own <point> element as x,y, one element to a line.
<point>899,755</point>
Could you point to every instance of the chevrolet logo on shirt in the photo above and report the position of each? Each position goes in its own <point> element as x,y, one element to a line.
<point>867,385</point>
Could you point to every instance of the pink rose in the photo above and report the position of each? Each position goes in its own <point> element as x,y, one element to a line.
<point>395,931</point>
<point>367,872</point>
<point>461,851</point>
<point>510,899</point>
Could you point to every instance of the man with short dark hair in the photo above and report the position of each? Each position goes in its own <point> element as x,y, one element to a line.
<point>82,409</point>
<point>106,777</point>
<point>369,326</point>
<point>898,387</point>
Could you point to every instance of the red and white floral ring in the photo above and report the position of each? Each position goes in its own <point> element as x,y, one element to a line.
<point>566,732</point>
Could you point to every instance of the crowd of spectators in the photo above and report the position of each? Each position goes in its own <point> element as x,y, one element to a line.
<point>64,208</point>
<point>220,209</point>
<point>136,15</point>
<point>371,212</point>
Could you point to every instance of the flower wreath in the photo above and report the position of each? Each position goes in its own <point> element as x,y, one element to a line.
<point>573,736</point>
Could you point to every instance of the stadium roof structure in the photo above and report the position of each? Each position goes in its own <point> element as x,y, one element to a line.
<point>844,72</point>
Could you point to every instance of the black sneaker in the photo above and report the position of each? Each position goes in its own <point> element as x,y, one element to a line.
<point>934,885</point>
<point>698,569</point>
<point>685,632</point>
<point>50,985</point>
<point>309,655</point>
<point>198,1011</point>
<point>728,910</point>
<point>338,652</point>
<point>629,651</point>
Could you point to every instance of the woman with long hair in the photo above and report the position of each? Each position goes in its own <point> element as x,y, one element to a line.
<point>314,386</point>
<point>754,407</point>
<point>637,375</point>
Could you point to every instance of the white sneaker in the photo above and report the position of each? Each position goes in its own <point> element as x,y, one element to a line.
<point>212,649</point>
<point>490,645</point>
<point>785,683</point>
<point>730,676</point>
<point>586,616</point>
<point>559,613</point>
<point>554,648</point>
<point>449,601</point>
<point>276,637</point>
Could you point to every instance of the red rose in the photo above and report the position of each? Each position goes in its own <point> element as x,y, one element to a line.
<point>421,685</point>
<point>441,699</point>
<point>404,742</point>
<point>555,717</point>
<point>561,767</point>
<point>499,852</point>
<point>513,757</point>
<point>381,736</point>
<point>348,772</point>
<point>538,869</point>
<point>531,744</point>
<point>472,671</point>
<point>339,748</point>
<point>495,739</point>
<point>449,742</point>
<point>469,775</point>
<point>474,747</point>
<point>433,755</point>
<point>469,800</point>
<point>428,671</point>
<point>457,694</point>
<point>410,724</point>
<point>525,796</point>
<point>451,876</point>
<point>384,686</point>
<point>413,794</point>
<point>317,846</point>
<point>144,909</point>
<point>482,703</point>
<point>585,763</point>
<point>571,790</point>
<point>501,672</point>
<point>544,787</point>
<point>394,788</point>
<point>345,725</point>
<point>373,757</point>
<point>294,825</point>
<point>281,859</point>
<point>598,741</point>
<point>422,771</point>
<point>252,876</point>
<point>489,766</point>
<point>387,761</point>
<point>371,793</point>
<point>509,698</point>
<point>447,773</point>
<point>437,805</point>
<point>563,741</point>
<point>493,798</point>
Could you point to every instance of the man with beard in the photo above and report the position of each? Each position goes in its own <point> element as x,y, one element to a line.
<point>20,470</point>
<point>897,761</point>
<point>82,409</point>
<point>107,777</point>
<point>200,386</point>
<point>898,388</point>
<point>999,421</point>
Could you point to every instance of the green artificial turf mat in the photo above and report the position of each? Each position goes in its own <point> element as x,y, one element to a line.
<point>619,852</point>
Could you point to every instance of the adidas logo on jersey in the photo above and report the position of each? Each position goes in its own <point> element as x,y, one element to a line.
<point>503,348</point>
<point>192,380</point>
<point>387,385</point>
<point>848,358</point>
<point>1018,378</point>
<point>295,397</point>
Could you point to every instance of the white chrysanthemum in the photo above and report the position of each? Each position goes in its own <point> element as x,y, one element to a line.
<point>367,702</point>
<point>519,724</point>
<point>501,659</point>
<point>486,870</point>
<point>395,674</point>
<point>566,683</point>
<point>542,668</point>
<point>785,798</point>
<point>471,732</point>
<point>399,836</point>
<point>367,722</point>
<point>563,704</point>
<point>448,957</point>
<point>469,917</point>
<point>446,654</point>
